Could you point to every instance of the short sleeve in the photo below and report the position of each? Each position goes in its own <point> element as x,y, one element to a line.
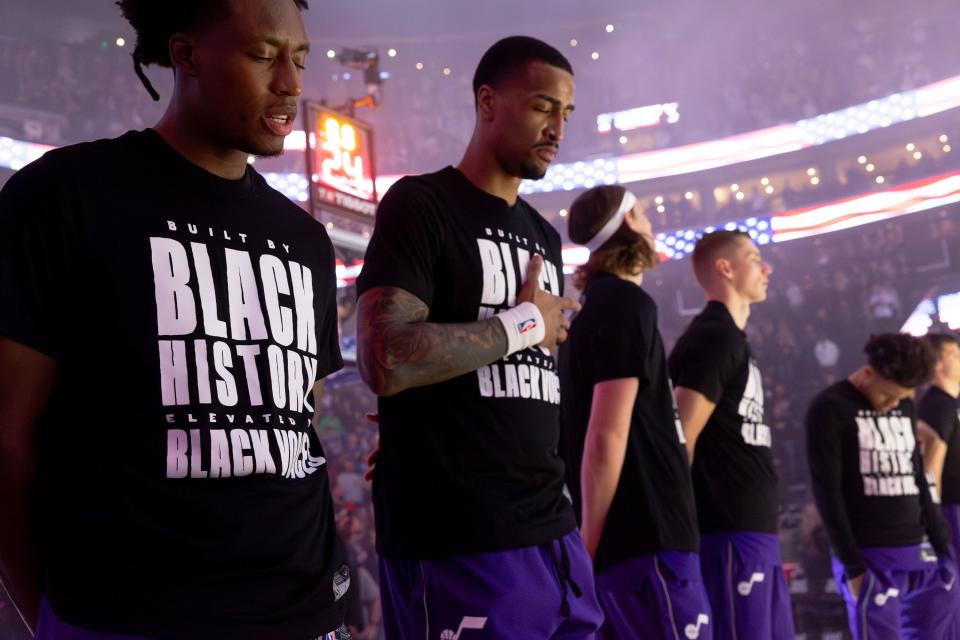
<point>941,416</point>
<point>330,359</point>
<point>407,240</point>
<point>620,347</point>
<point>37,256</point>
<point>704,363</point>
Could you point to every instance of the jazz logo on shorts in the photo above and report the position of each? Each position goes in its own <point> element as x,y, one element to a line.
<point>468,622</point>
<point>882,598</point>
<point>744,588</point>
<point>692,631</point>
<point>527,325</point>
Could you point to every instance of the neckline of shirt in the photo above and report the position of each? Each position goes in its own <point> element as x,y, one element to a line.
<point>500,202</point>
<point>223,187</point>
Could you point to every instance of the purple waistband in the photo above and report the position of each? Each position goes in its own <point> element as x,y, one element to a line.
<point>911,558</point>
<point>757,547</point>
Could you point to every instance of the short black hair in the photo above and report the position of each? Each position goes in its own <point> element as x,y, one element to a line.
<point>512,53</point>
<point>154,21</point>
<point>708,248</point>
<point>901,358</point>
<point>938,340</point>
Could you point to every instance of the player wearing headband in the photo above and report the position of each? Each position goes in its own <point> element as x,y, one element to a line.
<point>720,399</point>
<point>621,438</point>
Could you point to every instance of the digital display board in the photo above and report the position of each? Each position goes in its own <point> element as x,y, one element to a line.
<point>340,162</point>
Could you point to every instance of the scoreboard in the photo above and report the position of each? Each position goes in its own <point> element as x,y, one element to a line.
<point>340,163</point>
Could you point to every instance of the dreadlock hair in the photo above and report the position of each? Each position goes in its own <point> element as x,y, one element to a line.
<point>625,252</point>
<point>901,358</point>
<point>155,21</point>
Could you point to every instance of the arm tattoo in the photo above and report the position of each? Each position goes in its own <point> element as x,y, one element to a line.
<point>398,349</point>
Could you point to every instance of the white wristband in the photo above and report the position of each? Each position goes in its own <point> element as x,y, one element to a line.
<point>524,326</point>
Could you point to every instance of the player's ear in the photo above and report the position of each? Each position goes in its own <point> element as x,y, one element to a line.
<point>723,267</point>
<point>485,100</point>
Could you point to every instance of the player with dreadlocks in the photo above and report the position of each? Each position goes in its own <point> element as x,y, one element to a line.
<point>164,315</point>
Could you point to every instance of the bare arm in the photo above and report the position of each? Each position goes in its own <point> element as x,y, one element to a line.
<point>26,381</point>
<point>934,451</point>
<point>397,349</point>
<point>694,409</point>
<point>603,453</point>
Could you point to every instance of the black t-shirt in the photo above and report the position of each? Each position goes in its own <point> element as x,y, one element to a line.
<point>615,336</point>
<point>181,490</point>
<point>868,477</point>
<point>468,465</point>
<point>941,411</point>
<point>734,479</point>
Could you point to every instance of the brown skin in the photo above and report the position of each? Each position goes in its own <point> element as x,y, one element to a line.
<point>519,128</point>
<point>230,76</point>
<point>26,381</point>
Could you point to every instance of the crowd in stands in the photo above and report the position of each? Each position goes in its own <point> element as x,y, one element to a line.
<point>678,212</point>
<point>827,295</point>
<point>737,75</point>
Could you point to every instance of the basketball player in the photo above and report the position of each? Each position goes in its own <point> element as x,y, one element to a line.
<point>939,430</point>
<point>460,305</point>
<point>720,399</point>
<point>164,314</point>
<point>872,494</point>
<point>621,438</point>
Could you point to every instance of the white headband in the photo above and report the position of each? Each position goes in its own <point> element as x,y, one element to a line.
<point>629,200</point>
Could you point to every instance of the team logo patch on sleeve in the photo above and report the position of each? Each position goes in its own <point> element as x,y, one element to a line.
<point>527,325</point>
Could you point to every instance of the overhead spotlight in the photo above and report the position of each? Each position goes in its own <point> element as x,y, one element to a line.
<point>419,66</point>
<point>688,195</point>
<point>862,160</point>
<point>661,209</point>
<point>121,42</point>
<point>947,148</point>
<point>911,147</point>
<point>811,171</point>
<point>764,181</point>
<point>392,53</point>
<point>623,139</point>
<point>943,137</point>
<point>769,189</point>
<point>608,28</point>
<point>734,187</point>
<point>880,180</point>
<point>331,54</point>
<point>814,180</point>
<point>329,225</point>
<point>658,199</point>
<point>446,71</point>
<point>917,155</point>
<point>869,167</point>
<point>740,195</point>
<point>595,55</point>
<point>563,213</point>
<point>573,42</point>
<point>251,159</point>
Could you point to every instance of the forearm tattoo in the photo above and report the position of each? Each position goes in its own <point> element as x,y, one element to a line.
<point>398,349</point>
